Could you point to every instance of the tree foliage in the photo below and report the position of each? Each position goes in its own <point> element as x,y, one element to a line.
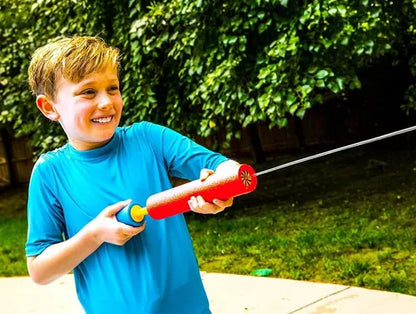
<point>211,67</point>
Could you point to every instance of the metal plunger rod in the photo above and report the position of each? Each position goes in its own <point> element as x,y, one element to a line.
<point>336,150</point>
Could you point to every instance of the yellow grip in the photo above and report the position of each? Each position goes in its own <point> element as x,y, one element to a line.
<point>137,213</point>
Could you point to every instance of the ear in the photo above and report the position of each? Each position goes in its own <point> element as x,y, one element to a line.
<point>46,106</point>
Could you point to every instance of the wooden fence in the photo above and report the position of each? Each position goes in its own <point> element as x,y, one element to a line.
<point>16,159</point>
<point>322,125</point>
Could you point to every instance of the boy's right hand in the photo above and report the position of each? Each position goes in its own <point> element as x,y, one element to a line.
<point>106,227</point>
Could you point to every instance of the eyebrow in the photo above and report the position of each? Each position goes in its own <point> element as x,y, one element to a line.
<point>92,81</point>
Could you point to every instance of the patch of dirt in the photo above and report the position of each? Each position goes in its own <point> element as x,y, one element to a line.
<point>13,202</point>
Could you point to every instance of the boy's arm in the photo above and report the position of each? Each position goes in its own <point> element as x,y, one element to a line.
<point>60,258</point>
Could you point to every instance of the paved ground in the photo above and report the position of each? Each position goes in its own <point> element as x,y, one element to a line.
<point>228,294</point>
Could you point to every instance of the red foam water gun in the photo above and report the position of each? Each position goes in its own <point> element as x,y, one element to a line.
<point>237,181</point>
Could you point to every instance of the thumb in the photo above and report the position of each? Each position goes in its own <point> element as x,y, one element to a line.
<point>205,173</point>
<point>115,208</point>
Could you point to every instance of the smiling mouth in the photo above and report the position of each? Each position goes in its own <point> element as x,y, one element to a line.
<point>102,120</point>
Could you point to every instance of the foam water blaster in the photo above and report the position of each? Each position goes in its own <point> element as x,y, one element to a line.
<point>233,182</point>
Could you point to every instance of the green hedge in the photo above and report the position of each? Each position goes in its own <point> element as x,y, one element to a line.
<point>211,67</point>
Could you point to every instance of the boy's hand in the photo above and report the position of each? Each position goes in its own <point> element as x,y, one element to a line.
<point>108,229</point>
<point>199,205</point>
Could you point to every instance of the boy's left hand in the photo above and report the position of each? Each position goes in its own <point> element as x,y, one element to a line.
<point>199,205</point>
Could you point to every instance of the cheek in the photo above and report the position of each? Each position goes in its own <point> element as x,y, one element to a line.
<point>83,113</point>
<point>119,102</point>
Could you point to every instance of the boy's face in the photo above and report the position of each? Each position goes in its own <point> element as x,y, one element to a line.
<point>90,110</point>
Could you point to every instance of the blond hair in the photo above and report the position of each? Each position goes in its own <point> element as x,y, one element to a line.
<point>71,58</point>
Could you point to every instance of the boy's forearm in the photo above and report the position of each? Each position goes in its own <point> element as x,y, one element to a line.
<point>61,258</point>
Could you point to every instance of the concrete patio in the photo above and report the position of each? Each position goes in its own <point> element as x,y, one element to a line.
<point>228,294</point>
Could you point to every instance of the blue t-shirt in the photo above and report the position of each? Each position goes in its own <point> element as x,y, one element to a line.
<point>156,271</point>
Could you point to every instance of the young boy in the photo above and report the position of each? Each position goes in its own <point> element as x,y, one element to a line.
<point>76,191</point>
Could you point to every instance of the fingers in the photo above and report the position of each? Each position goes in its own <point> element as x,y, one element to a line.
<point>199,205</point>
<point>115,208</point>
<point>132,231</point>
<point>127,232</point>
<point>107,228</point>
<point>223,203</point>
<point>124,233</point>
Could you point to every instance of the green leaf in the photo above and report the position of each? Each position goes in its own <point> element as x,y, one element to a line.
<point>322,74</point>
<point>320,83</point>
<point>291,99</point>
<point>340,82</point>
<point>293,109</point>
<point>312,70</point>
<point>264,101</point>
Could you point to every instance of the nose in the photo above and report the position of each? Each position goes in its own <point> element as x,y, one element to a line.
<point>104,101</point>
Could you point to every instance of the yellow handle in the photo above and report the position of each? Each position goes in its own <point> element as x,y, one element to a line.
<point>137,213</point>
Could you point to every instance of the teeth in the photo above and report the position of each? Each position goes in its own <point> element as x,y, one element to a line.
<point>102,120</point>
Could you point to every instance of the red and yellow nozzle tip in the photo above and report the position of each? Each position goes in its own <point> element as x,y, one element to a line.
<point>137,213</point>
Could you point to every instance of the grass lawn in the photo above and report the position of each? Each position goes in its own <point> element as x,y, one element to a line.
<point>345,219</point>
<point>13,227</point>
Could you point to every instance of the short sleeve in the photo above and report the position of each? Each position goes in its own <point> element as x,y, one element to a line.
<point>45,216</point>
<point>183,157</point>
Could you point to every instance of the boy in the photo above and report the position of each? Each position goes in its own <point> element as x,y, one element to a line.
<point>76,190</point>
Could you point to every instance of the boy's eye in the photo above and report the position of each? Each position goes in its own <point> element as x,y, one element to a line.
<point>113,88</point>
<point>88,92</point>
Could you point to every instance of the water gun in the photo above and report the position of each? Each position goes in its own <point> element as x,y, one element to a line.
<point>235,182</point>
